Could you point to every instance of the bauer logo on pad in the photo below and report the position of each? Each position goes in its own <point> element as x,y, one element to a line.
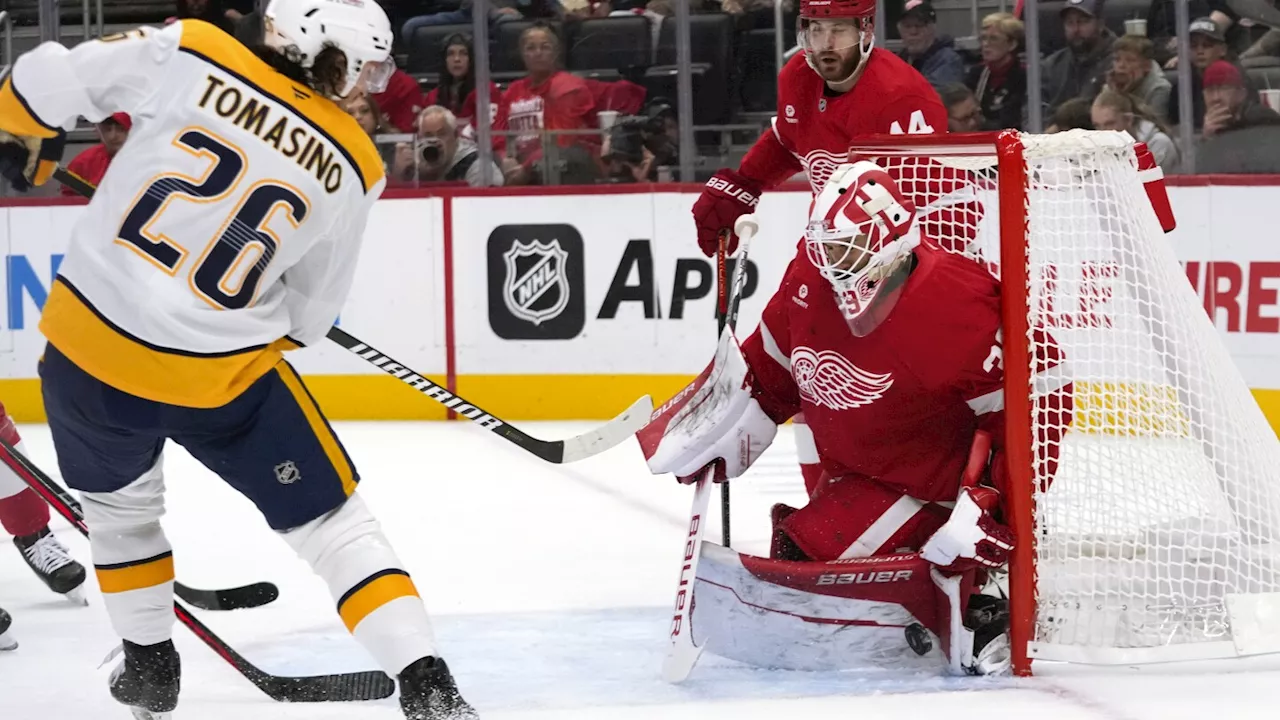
<point>536,282</point>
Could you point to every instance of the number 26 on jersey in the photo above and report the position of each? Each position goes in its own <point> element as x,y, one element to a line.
<point>230,267</point>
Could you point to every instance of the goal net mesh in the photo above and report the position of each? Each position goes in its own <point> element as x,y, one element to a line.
<point>1155,539</point>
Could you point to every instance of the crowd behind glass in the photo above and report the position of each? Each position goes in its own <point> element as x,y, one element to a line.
<point>598,107</point>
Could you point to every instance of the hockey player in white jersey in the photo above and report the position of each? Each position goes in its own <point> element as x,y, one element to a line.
<point>225,233</point>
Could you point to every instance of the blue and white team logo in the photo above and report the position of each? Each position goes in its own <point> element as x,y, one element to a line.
<point>536,287</point>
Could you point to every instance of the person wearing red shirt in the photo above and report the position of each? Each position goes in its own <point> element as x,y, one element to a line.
<point>549,98</point>
<point>457,90</point>
<point>401,101</point>
<point>92,163</point>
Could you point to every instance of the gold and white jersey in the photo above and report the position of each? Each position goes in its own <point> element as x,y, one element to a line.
<point>226,229</point>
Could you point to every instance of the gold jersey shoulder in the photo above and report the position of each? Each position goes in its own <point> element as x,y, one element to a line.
<point>294,140</point>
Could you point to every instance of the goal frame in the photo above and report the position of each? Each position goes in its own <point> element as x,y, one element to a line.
<point>1014,223</point>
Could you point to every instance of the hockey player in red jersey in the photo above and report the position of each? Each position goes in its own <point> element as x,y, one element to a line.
<point>25,516</point>
<point>891,347</point>
<point>839,88</point>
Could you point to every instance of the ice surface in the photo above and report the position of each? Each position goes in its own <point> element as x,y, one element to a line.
<point>550,589</point>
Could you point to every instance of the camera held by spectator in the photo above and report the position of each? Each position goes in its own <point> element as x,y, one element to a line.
<point>439,154</point>
<point>625,154</point>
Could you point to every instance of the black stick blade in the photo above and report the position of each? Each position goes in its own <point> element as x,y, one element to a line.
<point>342,687</point>
<point>238,598</point>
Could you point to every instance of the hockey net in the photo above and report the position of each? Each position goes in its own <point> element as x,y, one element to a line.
<point>1155,539</point>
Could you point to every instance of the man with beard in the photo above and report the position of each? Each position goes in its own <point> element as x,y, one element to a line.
<point>1079,69</point>
<point>838,89</point>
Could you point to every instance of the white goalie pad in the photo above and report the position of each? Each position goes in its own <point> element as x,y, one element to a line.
<point>713,419</point>
<point>873,613</point>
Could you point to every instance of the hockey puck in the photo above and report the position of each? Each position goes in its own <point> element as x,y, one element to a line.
<point>918,638</point>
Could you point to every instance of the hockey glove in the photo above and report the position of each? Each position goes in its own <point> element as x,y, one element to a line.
<point>971,537</point>
<point>714,422</point>
<point>727,196</point>
<point>27,161</point>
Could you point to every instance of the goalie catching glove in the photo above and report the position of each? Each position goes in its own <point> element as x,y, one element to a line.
<point>27,161</point>
<point>971,537</point>
<point>713,422</point>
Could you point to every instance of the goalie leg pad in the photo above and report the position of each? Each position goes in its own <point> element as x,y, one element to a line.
<point>857,517</point>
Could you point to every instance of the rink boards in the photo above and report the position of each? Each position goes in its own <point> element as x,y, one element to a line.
<point>570,303</point>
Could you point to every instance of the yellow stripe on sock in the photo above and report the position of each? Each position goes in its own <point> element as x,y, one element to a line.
<point>372,593</point>
<point>123,577</point>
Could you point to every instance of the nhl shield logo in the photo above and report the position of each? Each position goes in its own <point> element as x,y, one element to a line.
<point>287,473</point>
<point>536,287</point>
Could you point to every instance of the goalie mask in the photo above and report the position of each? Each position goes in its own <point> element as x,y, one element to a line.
<point>829,28</point>
<point>860,237</point>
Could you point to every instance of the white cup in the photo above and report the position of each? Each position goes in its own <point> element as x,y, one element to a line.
<point>1270,98</point>
<point>607,118</point>
<point>1136,26</point>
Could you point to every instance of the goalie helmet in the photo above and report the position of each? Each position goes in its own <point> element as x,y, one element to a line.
<point>861,230</point>
<point>836,25</point>
<point>300,29</point>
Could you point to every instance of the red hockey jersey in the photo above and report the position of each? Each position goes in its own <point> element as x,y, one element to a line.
<point>902,404</point>
<point>814,126</point>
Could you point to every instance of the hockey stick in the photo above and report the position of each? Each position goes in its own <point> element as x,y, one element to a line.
<point>237,598</point>
<point>683,654</point>
<point>338,687</point>
<point>569,450</point>
<point>722,317</point>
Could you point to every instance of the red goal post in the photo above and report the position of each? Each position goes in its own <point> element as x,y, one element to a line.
<point>1153,533</point>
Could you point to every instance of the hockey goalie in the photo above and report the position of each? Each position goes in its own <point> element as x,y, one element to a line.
<point>891,347</point>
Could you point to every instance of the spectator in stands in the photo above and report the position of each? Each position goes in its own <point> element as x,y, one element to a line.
<point>92,163</point>
<point>1229,105</point>
<point>1162,25</point>
<point>439,153</point>
<point>1074,114</point>
<point>963,113</point>
<point>1134,71</point>
<point>999,82</point>
<point>1080,68</point>
<point>1208,46</point>
<point>367,114</point>
<point>933,55</point>
<point>548,98</point>
<point>1115,110</point>
<point>401,101</point>
<point>457,89</point>
<point>499,11</point>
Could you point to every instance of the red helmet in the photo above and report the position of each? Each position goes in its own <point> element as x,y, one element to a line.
<point>823,9</point>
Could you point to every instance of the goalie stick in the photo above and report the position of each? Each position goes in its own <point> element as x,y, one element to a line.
<point>338,687</point>
<point>568,450</point>
<point>683,654</point>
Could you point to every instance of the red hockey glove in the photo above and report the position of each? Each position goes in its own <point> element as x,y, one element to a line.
<point>727,196</point>
<point>970,538</point>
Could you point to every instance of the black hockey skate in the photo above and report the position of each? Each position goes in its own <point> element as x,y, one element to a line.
<point>6,640</point>
<point>147,680</point>
<point>51,560</point>
<point>428,692</point>
<point>988,618</point>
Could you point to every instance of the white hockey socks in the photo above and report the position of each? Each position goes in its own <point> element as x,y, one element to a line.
<point>376,599</point>
<point>132,558</point>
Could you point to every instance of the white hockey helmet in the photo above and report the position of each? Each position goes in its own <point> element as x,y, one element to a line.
<point>861,229</point>
<point>300,29</point>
